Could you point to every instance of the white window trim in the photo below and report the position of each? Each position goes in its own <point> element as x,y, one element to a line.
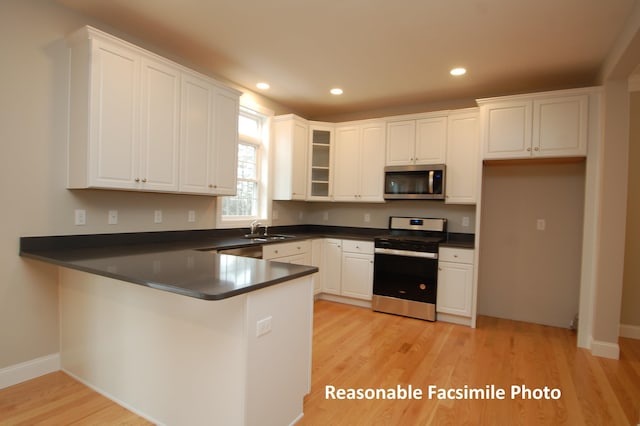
<point>264,207</point>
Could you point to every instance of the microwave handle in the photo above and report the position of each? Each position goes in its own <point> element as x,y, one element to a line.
<point>430,181</point>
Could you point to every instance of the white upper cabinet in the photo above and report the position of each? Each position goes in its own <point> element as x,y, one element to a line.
<point>463,157</point>
<point>321,152</point>
<point>290,158</point>
<point>226,104</point>
<point>542,125</point>
<point>159,132</point>
<point>104,142</point>
<point>359,162</point>
<point>209,137</point>
<point>127,118</point>
<point>420,141</point>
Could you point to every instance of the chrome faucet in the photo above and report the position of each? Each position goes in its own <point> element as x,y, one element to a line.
<point>253,229</point>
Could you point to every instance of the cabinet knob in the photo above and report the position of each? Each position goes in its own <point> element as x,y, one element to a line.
<point>144,180</point>
<point>536,148</point>
<point>211,185</point>
<point>137,179</point>
<point>529,149</point>
<point>275,251</point>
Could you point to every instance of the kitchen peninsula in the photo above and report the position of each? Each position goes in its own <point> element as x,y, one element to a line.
<point>181,335</point>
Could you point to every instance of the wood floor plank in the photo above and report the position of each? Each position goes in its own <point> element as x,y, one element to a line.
<point>357,348</point>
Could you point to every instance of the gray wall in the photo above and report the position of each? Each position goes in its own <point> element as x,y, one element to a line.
<point>527,274</point>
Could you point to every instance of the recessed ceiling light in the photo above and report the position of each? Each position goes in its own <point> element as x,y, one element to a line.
<point>336,91</point>
<point>458,71</point>
<point>263,86</point>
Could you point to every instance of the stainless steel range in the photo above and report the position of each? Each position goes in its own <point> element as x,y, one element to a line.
<point>405,278</point>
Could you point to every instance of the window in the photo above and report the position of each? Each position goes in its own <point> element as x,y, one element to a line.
<point>250,201</point>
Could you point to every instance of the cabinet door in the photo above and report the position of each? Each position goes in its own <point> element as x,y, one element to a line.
<point>299,162</point>
<point>506,129</point>
<point>223,162</point>
<point>321,163</point>
<point>159,129</point>
<point>431,140</point>
<point>463,159</point>
<point>346,177</point>
<point>372,148</point>
<point>290,158</point>
<point>114,108</point>
<point>357,275</point>
<point>332,260</point>
<point>317,260</point>
<point>560,126</point>
<point>455,281</point>
<point>401,139</point>
<point>196,134</point>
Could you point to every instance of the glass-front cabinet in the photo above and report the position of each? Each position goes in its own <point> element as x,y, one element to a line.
<point>321,160</point>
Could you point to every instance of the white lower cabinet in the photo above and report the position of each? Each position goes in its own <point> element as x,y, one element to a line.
<point>357,269</point>
<point>348,268</point>
<point>332,265</point>
<point>298,252</point>
<point>455,281</point>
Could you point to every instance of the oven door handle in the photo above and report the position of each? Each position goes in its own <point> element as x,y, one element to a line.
<point>405,253</point>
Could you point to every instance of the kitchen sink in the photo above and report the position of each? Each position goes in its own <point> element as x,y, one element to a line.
<point>250,251</point>
<point>267,238</point>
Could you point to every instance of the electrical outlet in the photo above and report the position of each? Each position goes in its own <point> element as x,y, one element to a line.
<point>465,221</point>
<point>541,224</point>
<point>274,214</point>
<point>157,216</point>
<point>113,217</point>
<point>325,216</point>
<point>191,216</point>
<point>367,217</point>
<point>80,217</point>
<point>263,326</point>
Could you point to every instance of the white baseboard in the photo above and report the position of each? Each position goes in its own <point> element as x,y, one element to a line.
<point>28,370</point>
<point>605,349</point>
<point>630,331</point>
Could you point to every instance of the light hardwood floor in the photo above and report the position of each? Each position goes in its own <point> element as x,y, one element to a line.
<point>357,348</point>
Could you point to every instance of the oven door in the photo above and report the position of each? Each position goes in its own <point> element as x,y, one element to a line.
<point>405,283</point>
<point>405,274</point>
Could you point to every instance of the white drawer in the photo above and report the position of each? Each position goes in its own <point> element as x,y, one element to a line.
<point>355,246</point>
<point>457,255</point>
<point>272,251</point>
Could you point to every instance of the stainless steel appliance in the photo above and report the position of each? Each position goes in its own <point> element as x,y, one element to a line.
<point>405,277</point>
<point>423,182</point>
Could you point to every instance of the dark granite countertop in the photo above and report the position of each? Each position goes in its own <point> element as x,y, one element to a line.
<point>182,262</point>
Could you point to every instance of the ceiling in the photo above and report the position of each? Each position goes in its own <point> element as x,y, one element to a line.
<point>384,54</point>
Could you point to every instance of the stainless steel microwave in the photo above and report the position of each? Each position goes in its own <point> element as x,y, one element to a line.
<point>423,182</point>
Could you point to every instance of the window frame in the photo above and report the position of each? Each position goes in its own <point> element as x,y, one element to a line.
<point>262,172</point>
